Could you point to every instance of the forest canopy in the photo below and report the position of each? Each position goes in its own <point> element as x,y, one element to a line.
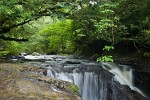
<point>15,14</point>
<point>69,26</point>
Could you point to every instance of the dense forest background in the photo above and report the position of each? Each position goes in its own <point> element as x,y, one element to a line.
<point>74,26</point>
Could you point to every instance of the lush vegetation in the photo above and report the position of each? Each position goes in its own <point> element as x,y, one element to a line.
<point>86,27</point>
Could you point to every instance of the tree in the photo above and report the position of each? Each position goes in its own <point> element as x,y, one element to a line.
<point>135,15</point>
<point>114,21</point>
<point>15,14</point>
<point>83,25</point>
<point>56,37</point>
<point>96,21</point>
<point>109,26</point>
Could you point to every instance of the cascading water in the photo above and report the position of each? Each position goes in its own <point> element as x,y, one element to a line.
<point>123,74</point>
<point>94,86</point>
<point>91,86</point>
<point>93,81</point>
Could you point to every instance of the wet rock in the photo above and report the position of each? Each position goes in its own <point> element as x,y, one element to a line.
<point>73,62</point>
<point>36,54</point>
<point>94,57</point>
<point>125,93</point>
<point>23,54</point>
<point>142,81</point>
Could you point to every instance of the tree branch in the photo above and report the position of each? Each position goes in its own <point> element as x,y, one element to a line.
<point>35,17</point>
<point>12,39</point>
<point>7,29</point>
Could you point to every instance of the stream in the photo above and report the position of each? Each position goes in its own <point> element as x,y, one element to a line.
<point>96,81</point>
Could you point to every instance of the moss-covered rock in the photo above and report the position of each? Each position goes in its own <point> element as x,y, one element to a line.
<point>72,88</point>
<point>61,85</point>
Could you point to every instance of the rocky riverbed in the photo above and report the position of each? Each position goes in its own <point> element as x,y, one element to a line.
<point>26,82</point>
<point>93,81</point>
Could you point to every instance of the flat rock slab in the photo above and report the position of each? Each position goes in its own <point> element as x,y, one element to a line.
<point>24,82</point>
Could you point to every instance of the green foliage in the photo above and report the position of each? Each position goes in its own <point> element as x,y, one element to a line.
<point>3,53</point>
<point>15,48</point>
<point>84,30</point>
<point>106,57</point>
<point>15,14</point>
<point>108,27</point>
<point>136,17</point>
<point>113,21</point>
<point>108,48</point>
<point>58,37</point>
<point>146,54</point>
<point>97,22</point>
<point>51,37</point>
<point>35,44</point>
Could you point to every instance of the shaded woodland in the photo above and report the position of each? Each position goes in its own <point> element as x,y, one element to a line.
<point>75,27</point>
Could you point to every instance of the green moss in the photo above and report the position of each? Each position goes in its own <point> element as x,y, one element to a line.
<point>72,88</point>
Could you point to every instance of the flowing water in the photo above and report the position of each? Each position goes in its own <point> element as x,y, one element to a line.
<point>91,86</point>
<point>92,79</point>
<point>123,74</point>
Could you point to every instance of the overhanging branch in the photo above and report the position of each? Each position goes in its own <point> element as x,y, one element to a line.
<point>35,16</point>
<point>7,29</point>
<point>12,39</point>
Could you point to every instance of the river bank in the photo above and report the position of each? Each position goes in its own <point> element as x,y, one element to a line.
<point>26,82</point>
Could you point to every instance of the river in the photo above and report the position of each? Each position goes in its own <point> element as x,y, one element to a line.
<point>96,81</point>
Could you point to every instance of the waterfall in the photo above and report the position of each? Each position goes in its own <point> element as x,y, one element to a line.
<point>123,74</point>
<point>91,86</point>
<point>94,86</point>
<point>93,81</point>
